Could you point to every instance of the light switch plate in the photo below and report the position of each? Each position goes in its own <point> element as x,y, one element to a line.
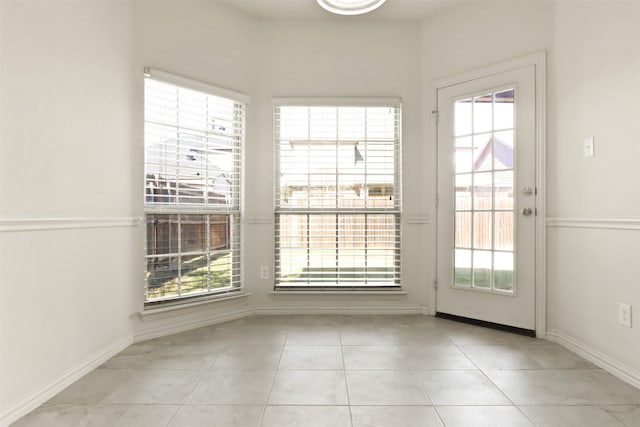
<point>588,147</point>
<point>624,314</point>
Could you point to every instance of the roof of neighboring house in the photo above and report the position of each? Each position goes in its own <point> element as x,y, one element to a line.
<point>502,153</point>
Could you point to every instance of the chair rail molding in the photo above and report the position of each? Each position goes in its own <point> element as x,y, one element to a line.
<point>595,223</point>
<point>38,224</point>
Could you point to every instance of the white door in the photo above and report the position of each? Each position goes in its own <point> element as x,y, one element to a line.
<point>487,199</point>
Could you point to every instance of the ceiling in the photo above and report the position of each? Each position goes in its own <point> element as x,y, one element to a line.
<point>309,9</point>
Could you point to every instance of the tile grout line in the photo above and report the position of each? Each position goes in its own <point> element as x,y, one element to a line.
<point>344,370</point>
<point>593,396</point>
<point>484,374</point>
<point>273,380</point>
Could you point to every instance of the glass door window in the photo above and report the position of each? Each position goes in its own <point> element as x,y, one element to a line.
<point>484,151</point>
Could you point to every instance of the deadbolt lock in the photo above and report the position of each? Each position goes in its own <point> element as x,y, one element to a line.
<point>526,211</point>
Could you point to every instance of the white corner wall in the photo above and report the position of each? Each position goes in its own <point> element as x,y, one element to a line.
<point>68,232</point>
<point>594,203</point>
<point>481,33</point>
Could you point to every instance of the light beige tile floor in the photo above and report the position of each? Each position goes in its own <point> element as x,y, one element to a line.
<point>352,371</point>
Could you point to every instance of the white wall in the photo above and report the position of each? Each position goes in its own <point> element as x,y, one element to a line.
<point>594,91</point>
<point>483,33</point>
<point>337,58</point>
<point>65,165</point>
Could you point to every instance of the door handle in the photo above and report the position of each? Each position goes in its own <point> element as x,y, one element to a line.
<point>526,211</point>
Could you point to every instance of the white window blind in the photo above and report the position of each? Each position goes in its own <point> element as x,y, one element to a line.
<point>193,164</point>
<point>337,196</point>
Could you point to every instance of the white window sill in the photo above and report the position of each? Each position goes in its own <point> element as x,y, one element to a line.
<point>336,292</point>
<point>161,310</point>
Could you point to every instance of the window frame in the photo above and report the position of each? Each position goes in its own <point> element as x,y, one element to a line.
<point>396,211</point>
<point>208,210</point>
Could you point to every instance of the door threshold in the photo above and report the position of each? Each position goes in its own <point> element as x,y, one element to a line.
<point>490,325</point>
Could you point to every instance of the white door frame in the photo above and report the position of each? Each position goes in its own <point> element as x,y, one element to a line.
<point>538,60</point>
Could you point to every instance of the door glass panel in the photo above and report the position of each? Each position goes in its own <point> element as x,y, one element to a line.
<point>503,108</point>
<point>482,113</point>
<point>462,271</point>
<point>462,117</point>
<point>482,191</point>
<point>464,154</point>
<point>503,227</point>
<point>463,230</point>
<point>482,152</point>
<point>463,192</point>
<point>503,190</point>
<point>482,230</point>
<point>484,198</point>
<point>503,150</point>
<point>482,269</point>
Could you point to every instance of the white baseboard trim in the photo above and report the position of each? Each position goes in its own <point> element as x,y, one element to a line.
<point>147,333</point>
<point>161,312</point>
<point>609,364</point>
<point>175,326</point>
<point>302,292</point>
<point>32,401</point>
<point>315,310</point>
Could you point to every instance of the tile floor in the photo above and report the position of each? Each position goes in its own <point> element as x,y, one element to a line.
<point>334,371</point>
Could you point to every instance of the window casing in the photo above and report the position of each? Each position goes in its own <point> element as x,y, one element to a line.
<point>193,174</point>
<point>337,199</point>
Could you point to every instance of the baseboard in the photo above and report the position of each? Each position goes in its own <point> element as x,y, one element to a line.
<point>31,402</point>
<point>315,310</point>
<point>151,332</point>
<point>147,332</point>
<point>609,364</point>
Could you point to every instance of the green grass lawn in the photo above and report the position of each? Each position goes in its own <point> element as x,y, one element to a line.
<point>502,279</point>
<point>194,277</point>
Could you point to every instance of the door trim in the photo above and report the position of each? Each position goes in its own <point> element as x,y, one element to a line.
<point>538,60</point>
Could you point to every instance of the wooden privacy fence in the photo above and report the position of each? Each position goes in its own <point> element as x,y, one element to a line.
<point>479,227</point>
<point>347,230</point>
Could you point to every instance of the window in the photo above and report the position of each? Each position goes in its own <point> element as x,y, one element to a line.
<point>193,162</point>
<point>337,201</point>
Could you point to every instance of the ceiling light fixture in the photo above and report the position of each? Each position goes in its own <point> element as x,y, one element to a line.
<point>350,7</point>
